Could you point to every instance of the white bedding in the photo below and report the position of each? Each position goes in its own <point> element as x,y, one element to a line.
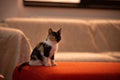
<point>14,49</point>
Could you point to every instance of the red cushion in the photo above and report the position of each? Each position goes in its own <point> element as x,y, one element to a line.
<point>71,71</point>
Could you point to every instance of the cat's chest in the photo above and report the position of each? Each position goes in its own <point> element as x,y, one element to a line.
<point>54,46</point>
<point>53,49</point>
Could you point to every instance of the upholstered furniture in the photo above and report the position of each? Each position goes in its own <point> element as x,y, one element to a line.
<point>78,35</point>
<point>91,45</point>
<point>14,49</point>
<point>71,71</point>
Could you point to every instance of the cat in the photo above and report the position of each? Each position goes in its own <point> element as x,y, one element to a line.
<point>43,54</point>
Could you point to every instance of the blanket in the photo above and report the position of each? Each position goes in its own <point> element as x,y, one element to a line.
<point>14,49</point>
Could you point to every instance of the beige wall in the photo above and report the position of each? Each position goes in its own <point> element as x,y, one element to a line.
<point>8,8</point>
<point>15,8</point>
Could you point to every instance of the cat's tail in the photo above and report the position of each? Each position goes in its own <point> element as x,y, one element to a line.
<point>22,65</point>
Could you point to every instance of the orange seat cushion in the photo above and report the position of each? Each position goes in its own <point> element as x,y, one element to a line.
<point>71,71</point>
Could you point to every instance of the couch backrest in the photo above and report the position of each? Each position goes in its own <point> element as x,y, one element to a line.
<point>77,35</point>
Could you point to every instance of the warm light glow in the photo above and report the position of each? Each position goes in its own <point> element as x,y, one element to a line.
<point>63,1</point>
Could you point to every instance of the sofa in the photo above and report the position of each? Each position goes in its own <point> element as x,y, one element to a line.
<point>83,40</point>
<point>78,35</point>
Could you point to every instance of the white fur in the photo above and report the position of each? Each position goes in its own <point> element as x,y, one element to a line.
<point>35,63</point>
<point>54,45</point>
<point>46,61</point>
<point>53,63</point>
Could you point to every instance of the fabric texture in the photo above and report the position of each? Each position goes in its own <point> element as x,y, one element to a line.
<point>91,36</point>
<point>78,35</point>
<point>87,57</point>
<point>71,71</point>
<point>14,49</point>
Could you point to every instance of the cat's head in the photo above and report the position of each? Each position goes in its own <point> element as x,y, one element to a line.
<point>54,36</point>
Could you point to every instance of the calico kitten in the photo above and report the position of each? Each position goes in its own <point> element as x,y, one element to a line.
<point>43,53</point>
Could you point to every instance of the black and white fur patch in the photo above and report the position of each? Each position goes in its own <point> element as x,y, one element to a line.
<point>43,53</point>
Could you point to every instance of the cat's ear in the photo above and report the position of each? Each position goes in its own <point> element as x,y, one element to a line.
<point>59,31</point>
<point>50,30</point>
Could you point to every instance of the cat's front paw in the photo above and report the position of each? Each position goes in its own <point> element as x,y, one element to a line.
<point>54,64</point>
<point>46,64</point>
